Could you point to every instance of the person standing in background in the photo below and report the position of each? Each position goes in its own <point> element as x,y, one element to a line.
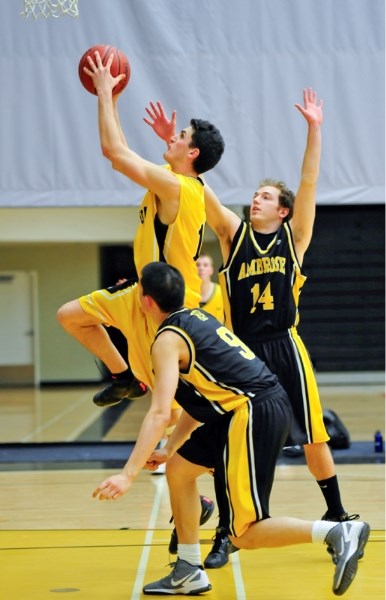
<point>211,297</point>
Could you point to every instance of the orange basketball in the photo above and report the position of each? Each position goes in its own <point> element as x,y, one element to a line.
<point>119,65</point>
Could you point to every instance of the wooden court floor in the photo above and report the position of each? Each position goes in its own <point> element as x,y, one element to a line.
<point>114,565</point>
<point>56,540</point>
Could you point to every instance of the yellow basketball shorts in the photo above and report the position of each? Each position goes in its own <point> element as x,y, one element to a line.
<point>286,355</point>
<point>119,307</point>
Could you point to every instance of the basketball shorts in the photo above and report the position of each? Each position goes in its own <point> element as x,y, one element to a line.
<point>119,307</point>
<point>242,447</point>
<point>287,357</point>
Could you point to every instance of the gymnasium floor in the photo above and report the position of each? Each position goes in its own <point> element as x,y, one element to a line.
<point>55,539</point>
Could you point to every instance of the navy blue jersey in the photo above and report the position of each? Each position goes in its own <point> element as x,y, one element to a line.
<point>223,373</point>
<point>261,282</point>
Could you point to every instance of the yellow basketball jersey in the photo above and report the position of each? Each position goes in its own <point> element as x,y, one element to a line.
<point>183,238</point>
<point>215,306</point>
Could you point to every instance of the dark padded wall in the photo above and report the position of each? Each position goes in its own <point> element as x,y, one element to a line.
<point>342,306</point>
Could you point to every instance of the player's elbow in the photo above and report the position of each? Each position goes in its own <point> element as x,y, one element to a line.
<point>107,151</point>
<point>111,151</point>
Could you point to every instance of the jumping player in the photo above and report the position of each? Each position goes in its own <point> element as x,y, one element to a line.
<point>171,228</point>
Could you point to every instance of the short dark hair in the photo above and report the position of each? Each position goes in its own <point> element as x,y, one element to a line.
<point>164,284</point>
<point>286,196</point>
<point>207,138</point>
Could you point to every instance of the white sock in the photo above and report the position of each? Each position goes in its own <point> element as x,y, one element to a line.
<point>320,529</point>
<point>189,552</point>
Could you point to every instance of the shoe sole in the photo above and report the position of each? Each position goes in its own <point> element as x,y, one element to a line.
<point>331,553</point>
<point>202,590</point>
<point>105,404</point>
<point>351,567</point>
<point>128,397</point>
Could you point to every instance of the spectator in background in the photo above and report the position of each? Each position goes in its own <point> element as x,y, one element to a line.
<point>211,297</point>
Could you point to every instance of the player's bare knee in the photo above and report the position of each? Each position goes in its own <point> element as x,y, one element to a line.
<point>175,473</point>
<point>62,315</point>
<point>67,314</point>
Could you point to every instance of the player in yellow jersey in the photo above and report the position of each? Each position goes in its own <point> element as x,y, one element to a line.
<point>211,297</point>
<point>235,419</point>
<point>171,229</point>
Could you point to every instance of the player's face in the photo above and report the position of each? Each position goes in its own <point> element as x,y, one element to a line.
<point>204,268</point>
<point>265,207</point>
<point>179,145</point>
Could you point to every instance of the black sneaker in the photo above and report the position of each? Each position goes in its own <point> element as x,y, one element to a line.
<point>340,519</point>
<point>207,508</point>
<point>221,549</point>
<point>120,390</point>
<point>187,579</point>
<point>347,541</point>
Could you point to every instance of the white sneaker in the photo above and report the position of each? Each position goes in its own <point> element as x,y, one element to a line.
<point>347,541</point>
<point>184,579</point>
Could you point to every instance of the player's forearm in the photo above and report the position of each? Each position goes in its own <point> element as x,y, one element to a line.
<point>311,160</point>
<point>220,219</point>
<point>182,432</point>
<point>118,121</point>
<point>109,130</point>
<point>152,430</point>
<point>114,146</point>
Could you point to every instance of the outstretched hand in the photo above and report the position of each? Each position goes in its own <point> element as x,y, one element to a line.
<point>312,109</point>
<point>159,122</point>
<point>112,488</point>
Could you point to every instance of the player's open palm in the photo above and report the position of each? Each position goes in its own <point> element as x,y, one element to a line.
<point>165,128</point>
<point>112,488</point>
<point>312,110</point>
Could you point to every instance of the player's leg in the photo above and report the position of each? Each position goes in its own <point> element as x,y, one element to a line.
<point>270,421</point>
<point>85,319</point>
<point>347,541</point>
<point>89,331</point>
<point>289,359</point>
<point>188,575</point>
<point>193,459</point>
<point>184,497</point>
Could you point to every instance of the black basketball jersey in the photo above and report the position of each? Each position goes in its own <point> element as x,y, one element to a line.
<point>223,372</point>
<point>261,283</point>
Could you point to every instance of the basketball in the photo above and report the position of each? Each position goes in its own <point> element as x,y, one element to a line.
<point>119,65</point>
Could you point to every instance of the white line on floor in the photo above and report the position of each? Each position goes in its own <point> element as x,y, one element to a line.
<point>138,584</point>
<point>238,576</point>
